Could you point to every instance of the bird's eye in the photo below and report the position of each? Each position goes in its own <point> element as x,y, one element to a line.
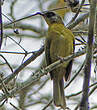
<point>50,14</point>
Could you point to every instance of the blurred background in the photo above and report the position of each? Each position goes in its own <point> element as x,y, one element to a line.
<point>28,36</point>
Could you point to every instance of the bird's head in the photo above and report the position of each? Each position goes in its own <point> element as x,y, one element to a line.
<point>51,17</point>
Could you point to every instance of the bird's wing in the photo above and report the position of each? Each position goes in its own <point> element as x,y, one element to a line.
<point>47,51</point>
<point>69,67</point>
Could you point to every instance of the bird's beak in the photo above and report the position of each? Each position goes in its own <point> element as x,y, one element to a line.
<point>41,13</point>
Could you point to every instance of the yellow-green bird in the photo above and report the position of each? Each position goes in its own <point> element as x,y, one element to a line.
<point>59,43</point>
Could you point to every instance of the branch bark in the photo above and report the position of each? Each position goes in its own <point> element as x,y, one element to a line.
<point>84,105</point>
<point>36,76</point>
<point>22,66</point>
<point>1,30</point>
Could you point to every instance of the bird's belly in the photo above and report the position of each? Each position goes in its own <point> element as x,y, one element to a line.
<point>60,48</point>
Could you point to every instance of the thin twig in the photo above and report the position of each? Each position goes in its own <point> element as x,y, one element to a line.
<point>75,94</point>
<point>68,83</point>
<point>36,76</point>
<point>16,108</point>
<point>48,104</point>
<point>7,62</point>
<point>40,87</point>
<point>17,43</point>
<point>76,73</point>
<point>82,42</point>
<point>6,17</point>
<point>23,53</point>
<point>22,66</point>
<point>22,19</point>
<point>73,19</point>
<point>78,20</point>
<point>94,88</point>
<point>37,13</point>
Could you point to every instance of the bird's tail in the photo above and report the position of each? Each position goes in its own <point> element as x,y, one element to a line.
<point>58,93</point>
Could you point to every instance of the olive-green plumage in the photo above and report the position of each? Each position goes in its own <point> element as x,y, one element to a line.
<point>59,43</point>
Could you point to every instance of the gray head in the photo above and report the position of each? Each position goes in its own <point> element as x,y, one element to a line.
<point>51,18</point>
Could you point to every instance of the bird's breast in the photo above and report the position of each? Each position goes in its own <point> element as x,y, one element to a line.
<point>61,42</point>
<point>60,47</point>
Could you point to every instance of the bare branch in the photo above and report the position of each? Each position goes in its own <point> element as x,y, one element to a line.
<point>22,66</point>
<point>87,70</point>
<point>78,20</point>
<point>1,26</point>
<point>77,12</point>
<point>7,62</point>
<point>36,76</point>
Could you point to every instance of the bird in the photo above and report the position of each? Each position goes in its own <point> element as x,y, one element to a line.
<point>59,43</point>
<point>70,5</point>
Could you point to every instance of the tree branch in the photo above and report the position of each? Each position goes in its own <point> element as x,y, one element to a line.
<point>36,76</point>
<point>22,66</point>
<point>87,70</point>
<point>1,27</point>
